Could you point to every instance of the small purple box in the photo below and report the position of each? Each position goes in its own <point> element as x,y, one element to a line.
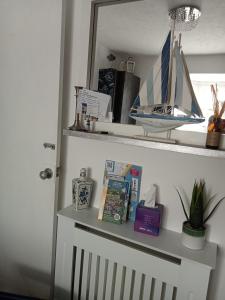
<point>148,219</point>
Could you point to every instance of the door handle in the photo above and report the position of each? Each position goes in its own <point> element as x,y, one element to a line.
<point>46,174</point>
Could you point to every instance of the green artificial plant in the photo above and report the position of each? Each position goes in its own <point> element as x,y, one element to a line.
<point>199,204</point>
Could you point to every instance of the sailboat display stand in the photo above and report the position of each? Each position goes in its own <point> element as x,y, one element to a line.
<point>146,137</point>
<point>168,101</point>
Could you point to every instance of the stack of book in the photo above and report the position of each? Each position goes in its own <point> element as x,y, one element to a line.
<point>121,192</point>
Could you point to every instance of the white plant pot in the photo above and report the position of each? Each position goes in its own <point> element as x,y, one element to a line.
<point>193,242</point>
<point>193,238</point>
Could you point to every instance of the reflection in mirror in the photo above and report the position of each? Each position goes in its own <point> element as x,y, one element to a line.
<point>129,37</point>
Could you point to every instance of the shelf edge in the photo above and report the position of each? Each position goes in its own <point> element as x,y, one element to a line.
<point>125,140</point>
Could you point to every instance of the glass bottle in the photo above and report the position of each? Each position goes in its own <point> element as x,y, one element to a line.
<point>214,133</point>
<point>82,190</point>
<point>130,65</point>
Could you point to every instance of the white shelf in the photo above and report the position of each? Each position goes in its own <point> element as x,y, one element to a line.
<point>168,242</point>
<point>186,149</point>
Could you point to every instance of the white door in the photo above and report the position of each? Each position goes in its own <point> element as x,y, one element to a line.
<point>30,68</point>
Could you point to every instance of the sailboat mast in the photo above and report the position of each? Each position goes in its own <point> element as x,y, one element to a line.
<point>170,64</point>
<point>179,41</point>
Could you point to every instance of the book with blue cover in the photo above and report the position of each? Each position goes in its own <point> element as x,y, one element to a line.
<point>123,172</point>
<point>116,201</point>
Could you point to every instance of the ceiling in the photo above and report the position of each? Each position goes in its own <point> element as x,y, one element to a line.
<point>141,27</point>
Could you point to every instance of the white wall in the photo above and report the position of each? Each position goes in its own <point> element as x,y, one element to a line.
<point>196,64</point>
<point>163,168</point>
<point>206,63</point>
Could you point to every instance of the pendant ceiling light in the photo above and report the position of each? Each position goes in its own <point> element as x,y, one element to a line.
<point>184,17</point>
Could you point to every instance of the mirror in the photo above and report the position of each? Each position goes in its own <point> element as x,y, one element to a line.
<point>128,36</point>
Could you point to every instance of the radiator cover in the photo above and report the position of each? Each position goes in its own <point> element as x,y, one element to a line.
<point>104,261</point>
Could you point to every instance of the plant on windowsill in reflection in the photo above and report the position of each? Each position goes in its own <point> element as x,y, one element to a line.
<point>215,124</point>
<point>194,227</point>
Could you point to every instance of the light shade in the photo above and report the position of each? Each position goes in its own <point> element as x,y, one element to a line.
<point>185,17</point>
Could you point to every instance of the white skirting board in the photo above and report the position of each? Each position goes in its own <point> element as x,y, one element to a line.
<point>105,261</point>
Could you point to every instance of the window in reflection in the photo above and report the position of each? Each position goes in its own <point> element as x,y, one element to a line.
<point>201,84</point>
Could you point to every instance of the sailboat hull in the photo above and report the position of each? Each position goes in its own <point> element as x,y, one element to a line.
<point>157,123</point>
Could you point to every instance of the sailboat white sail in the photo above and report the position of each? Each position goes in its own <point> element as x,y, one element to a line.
<point>169,98</point>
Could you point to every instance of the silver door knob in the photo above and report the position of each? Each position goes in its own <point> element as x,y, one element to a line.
<point>46,174</point>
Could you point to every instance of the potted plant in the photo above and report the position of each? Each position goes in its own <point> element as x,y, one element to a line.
<point>193,231</point>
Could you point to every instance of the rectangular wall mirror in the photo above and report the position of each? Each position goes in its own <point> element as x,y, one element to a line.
<point>126,38</point>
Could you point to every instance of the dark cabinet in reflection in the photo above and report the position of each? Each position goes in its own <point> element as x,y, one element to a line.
<point>123,87</point>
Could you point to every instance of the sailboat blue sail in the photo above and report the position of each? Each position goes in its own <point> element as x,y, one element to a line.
<point>165,61</point>
<point>168,101</point>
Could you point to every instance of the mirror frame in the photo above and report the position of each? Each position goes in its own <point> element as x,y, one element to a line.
<point>95,5</point>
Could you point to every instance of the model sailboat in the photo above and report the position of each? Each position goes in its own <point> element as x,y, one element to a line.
<point>169,99</point>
